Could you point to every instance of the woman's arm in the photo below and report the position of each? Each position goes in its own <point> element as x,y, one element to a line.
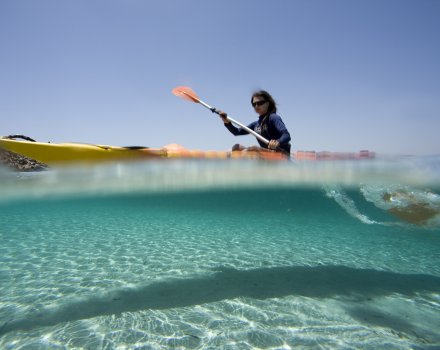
<point>278,124</point>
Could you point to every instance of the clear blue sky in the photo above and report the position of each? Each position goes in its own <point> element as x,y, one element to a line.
<point>347,74</point>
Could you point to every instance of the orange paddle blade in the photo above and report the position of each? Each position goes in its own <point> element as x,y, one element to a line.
<point>186,93</point>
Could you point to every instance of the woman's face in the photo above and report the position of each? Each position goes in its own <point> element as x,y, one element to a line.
<point>260,105</point>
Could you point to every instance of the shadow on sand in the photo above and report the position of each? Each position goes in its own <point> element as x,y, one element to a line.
<point>315,282</point>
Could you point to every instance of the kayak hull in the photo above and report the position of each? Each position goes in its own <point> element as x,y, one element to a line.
<point>74,153</point>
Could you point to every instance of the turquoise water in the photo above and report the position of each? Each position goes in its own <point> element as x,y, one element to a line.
<point>222,255</point>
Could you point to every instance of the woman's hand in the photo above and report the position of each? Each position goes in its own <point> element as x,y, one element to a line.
<point>224,117</point>
<point>273,144</point>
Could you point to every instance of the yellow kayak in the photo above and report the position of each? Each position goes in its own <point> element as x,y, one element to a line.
<point>73,153</point>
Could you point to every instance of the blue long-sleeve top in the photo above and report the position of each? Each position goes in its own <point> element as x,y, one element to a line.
<point>271,127</point>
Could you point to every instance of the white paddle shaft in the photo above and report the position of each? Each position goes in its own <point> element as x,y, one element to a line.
<point>250,131</point>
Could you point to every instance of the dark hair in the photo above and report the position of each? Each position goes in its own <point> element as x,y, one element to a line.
<point>267,97</point>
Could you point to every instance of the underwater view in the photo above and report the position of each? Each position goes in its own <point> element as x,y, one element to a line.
<point>209,254</point>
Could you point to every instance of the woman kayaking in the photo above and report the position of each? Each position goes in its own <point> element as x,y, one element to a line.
<point>269,124</point>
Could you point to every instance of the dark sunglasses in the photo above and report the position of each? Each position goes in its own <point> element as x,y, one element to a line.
<point>258,103</point>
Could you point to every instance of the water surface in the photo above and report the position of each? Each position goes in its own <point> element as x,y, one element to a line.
<point>208,254</point>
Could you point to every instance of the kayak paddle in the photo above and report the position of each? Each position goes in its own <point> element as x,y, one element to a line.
<point>188,94</point>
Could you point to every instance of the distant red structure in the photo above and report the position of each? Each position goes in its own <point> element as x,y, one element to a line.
<point>324,155</point>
